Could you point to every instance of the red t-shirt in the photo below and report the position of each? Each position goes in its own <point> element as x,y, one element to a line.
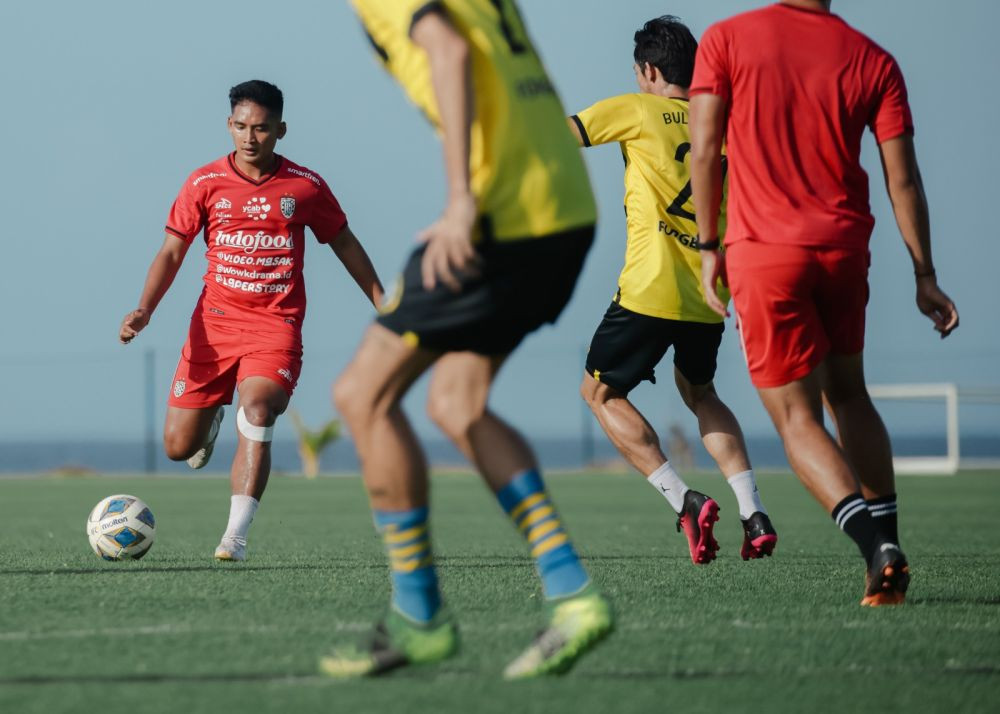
<point>801,86</point>
<point>254,232</point>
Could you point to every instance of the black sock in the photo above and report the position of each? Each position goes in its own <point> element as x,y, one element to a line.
<point>883,510</point>
<point>852,516</point>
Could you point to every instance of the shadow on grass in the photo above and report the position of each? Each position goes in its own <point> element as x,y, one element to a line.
<point>430,675</point>
<point>953,600</point>
<point>480,562</point>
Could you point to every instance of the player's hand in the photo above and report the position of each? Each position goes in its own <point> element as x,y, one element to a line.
<point>132,324</point>
<point>932,301</point>
<point>712,264</point>
<point>449,244</point>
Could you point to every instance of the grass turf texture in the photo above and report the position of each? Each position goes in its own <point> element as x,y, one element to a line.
<point>179,632</point>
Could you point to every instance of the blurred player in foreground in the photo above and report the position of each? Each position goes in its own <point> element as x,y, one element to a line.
<point>246,331</point>
<point>791,87</point>
<point>501,261</point>
<point>660,301</point>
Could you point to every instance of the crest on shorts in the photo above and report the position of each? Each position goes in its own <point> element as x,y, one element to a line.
<point>287,206</point>
<point>179,386</point>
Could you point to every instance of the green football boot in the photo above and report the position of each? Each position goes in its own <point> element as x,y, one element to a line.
<point>575,625</point>
<point>396,642</point>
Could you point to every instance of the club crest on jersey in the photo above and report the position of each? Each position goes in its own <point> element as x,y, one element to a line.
<point>287,206</point>
<point>257,208</point>
<point>179,386</point>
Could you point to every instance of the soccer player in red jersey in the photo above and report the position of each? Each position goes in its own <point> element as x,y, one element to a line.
<point>252,208</point>
<point>792,88</point>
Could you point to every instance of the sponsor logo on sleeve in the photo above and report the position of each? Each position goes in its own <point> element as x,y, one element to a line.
<point>210,175</point>
<point>179,386</point>
<point>304,174</point>
<point>286,374</point>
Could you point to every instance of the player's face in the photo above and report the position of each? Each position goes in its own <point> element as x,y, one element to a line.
<point>255,132</point>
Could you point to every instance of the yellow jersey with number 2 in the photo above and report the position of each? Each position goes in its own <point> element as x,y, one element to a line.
<point>526,170</point>
<point>662,273</point>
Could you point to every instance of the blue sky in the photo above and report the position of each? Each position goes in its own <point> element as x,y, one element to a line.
<point>109,106</point>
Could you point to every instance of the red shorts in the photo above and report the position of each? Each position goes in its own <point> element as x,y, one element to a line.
<point>216,358</point>
<point>795,305</point>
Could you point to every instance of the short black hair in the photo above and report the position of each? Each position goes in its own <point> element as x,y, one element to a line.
<point>259,92</point>
<point>667,44</point>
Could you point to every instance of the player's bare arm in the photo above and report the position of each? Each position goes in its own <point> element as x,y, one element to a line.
<point>575,131</point>
<point>158,280</point>
<point>352,254</point>
<point>708,120</point>
<point>909,203</point>
<point>449,239</point>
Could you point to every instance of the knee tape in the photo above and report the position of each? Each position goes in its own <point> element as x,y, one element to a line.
<point>252,431</point>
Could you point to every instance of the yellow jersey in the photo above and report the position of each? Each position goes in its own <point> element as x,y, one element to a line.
<point>526,170</point>
<point>662,273</point>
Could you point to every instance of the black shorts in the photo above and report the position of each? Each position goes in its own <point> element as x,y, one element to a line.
<point>520,286</point>
<point>627,347</point>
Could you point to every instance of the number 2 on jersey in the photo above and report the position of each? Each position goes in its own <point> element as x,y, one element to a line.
<point>676,208</point>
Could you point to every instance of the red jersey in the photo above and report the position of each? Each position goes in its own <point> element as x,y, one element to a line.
<point>801,86</point>
<point>254,231</point>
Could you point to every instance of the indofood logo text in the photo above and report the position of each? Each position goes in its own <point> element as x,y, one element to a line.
<point>251,242</point>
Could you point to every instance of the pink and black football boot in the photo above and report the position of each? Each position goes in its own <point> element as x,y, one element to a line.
<point>698,518</point>
<point>759,536</point>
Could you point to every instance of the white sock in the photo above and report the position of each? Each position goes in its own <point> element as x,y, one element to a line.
<point>241,512</point>
<point>670,484</point>
<point>744,485</point>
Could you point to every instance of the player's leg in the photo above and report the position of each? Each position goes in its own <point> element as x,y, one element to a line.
<point>842,300</point>
<point>863,437</point>
<point>457,402</point>
<point>696,349</point>
<point>786,341</point>
<point>624,351</point>
<point>629,431</point>
<point>203,381</point>
<point>261,401</point>
<point>368,395</point>
<point>723,439</point>
<point>187,430</point>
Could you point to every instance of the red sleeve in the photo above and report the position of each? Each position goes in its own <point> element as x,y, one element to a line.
<point>711,65</point>
<point>891,115</point>
<point>327,218</point>
<point>187,215</point>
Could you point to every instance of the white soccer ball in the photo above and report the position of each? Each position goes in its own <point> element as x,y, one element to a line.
<point>121,527</point>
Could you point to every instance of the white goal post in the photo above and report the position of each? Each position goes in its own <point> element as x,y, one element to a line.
<point>951,394</point>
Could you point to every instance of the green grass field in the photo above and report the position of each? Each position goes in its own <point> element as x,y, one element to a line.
<point>177,632</point>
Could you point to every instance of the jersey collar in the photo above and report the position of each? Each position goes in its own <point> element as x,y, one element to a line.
<point>263,179</point>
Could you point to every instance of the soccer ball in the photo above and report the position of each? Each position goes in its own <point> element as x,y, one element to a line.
<point>121,527</point>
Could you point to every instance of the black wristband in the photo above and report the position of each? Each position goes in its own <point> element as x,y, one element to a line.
<point>709,245</point>
<point>926,274</point>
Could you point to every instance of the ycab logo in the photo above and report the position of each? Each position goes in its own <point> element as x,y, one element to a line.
<point>257,208</point>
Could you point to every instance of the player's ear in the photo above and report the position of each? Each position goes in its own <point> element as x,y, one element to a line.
<point>282,128</point>
<point>650,72</point>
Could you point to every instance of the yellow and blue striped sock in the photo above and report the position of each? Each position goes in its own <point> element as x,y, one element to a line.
<point>529,506</point>
<point>414,581</point>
